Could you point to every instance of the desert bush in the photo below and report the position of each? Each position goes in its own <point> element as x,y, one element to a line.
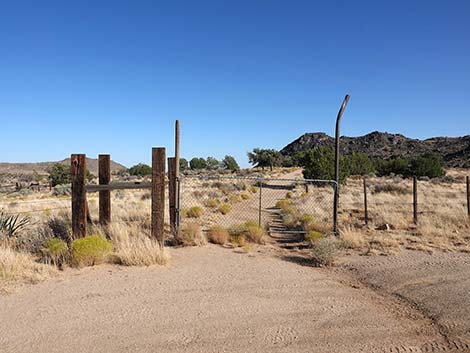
<point>217,235</point>
<point>59,174</point>
<point>11,224</point>
<point>195,212</point>
<point>284,204</point>
<point>191,234</point>
<point>91,250</point>
<point>391,188</point>
<point>324,251</point>
<point>225,208</point>
<point>253,189</point>
<point>237,239</point>
<point>234,198</point>
<point>313,236</point>
<point>183,213</point>
<point>62,190</point>
<point>61,228</point>
<point>245,196</point>
<point>212,203</point>
<point>253,232</point>
<point>307,222</point>
<point>289,195</point>
<point>56,250</point>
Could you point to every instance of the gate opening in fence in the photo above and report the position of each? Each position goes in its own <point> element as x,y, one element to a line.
<point>277,205</point>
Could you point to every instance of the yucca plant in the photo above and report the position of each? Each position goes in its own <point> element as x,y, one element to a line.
<point>11,224</point>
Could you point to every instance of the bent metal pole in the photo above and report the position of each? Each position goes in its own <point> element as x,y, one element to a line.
<point>337,135</point>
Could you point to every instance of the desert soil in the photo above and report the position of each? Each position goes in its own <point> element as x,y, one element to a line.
<point>215,299</point>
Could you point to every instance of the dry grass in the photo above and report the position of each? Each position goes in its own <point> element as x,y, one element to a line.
<point>218,235</point>
<point>134,248</point>
<point>21,267</point>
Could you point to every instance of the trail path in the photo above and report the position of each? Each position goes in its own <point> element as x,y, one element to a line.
<point>210,299</point>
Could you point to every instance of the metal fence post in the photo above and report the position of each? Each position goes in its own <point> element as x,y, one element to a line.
<point>468,195</point>
<point>79,204</point>
<point>260,203</point>
<point>158,193</point>
<point>366,212</point>
<point>415,200</point>
<point>172,192</point>
<point>104,176</point>
<point>337,136</point>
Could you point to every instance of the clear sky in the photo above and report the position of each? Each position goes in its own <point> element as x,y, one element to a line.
<point>112,76</point>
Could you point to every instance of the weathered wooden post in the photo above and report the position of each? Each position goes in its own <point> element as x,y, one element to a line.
<point>158,193</point>
<point>366,213</point>
<point>79,204</point>
<point>104,176</point>
<point>172,192</point>
<point>415,200</point>
<point>468,195</point>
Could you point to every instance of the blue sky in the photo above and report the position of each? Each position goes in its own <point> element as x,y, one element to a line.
<point>112,76</point>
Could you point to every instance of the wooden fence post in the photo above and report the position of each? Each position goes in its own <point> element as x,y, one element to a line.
<point>468,195</point>
<point>366,213</point>
<point>172,192</point>
<point>104,175</point>
<point>158,193</point>
<point>79,204</point>
<point>415,200</point>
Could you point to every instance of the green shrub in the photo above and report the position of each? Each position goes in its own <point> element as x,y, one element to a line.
<point>62,190</point>
<point>428,165</point>
<point>195,212</point>
<point>225,208</point>
<point>245,196</point>
<point>91,250</point>
<point>234,198</point>
<point>358,163</point>
<point>313,236</point>
<point>319,163</point>
<point>230,163</point>
<point>212,203</point>
<point>59,174</point>
<point>217,235</point>
<point>56,249</point>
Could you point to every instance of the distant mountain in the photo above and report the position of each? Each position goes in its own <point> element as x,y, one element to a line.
<point>454,150</point>
<point>42,167</point>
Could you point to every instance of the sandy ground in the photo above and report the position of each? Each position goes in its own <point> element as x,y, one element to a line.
<point>211,299</point>
<point>437,284</point>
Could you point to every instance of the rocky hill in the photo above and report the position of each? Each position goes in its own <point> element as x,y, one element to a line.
<point>42,167</point>
<point>454,150</point>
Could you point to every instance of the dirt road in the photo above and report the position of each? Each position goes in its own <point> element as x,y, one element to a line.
<point>210,299</point>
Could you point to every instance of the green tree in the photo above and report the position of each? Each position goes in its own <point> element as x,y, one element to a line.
<point>359,164</point>
<point>212,163</point>
<point>429,164</point>
<point>264,158</point>
<point>184,165</point>
<point>230,163</point>
<point>140,170</point>
<point>59,174</point>
<point>395,165</point>
<point>319,163</point>
<point>197,163</point>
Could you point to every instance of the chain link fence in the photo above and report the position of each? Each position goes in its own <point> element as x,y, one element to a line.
<point>277,205</point>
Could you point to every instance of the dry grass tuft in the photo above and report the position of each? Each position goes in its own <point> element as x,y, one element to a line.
<point>191,234</point>
<point>218,235</point>
<point>134,248</point>
<point>21,267</point>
